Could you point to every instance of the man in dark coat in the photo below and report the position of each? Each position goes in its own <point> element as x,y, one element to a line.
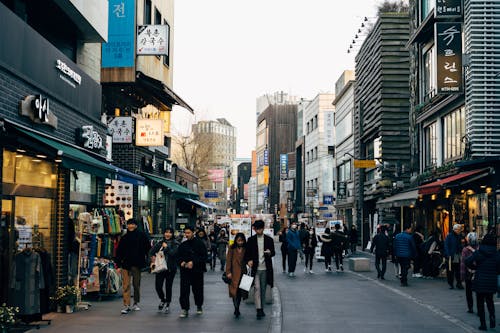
<point>131,256</point>
<point>486,262</point>
<point>381,243</point>
<point>404,249</point>
<point>191,257</point>
<point>453,253</point>
<point>338,242</point>
<point>258,256</point>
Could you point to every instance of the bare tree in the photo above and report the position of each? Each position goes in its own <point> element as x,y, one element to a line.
<point>393,6</point>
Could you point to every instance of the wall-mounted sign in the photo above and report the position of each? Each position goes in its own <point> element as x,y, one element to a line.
<point>266,157</point>
<point>288,185</point>
<point>152,40</point>
<point>266,174</point>
<point>37,108</point>
<point>149,132</point>
<point>121,129</point>
<point>329,125</point>
<point>327,199</point>
<point>119,50</point>
<point>167,166</point>
<point>341,189</point>
<point>283,166</point>
<point>363,164</point>
<point>90,138</point>
<point>216,175</point>
<point>449,57</point>
<point>67,74</point>
<point>448,8</point>
<point>311,192</point>
<point>120,194</point>
<point>211,194</point>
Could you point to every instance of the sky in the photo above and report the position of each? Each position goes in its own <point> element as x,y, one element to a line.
<point>227,53</point>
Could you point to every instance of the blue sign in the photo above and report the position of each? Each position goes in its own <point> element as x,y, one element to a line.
<point>283,166</point>
<point>211,194</point>
<point>266,157</point>
<point>119,51</point>
<point>266,192</point>
<point>328,199</point>
<point>328,215</point>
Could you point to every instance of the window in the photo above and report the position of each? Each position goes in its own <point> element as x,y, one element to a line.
<point>307,157</point>
<point>147,12</point>
<point>430,145</point>
<point>426,7</point>
<point>454,131</point>
<point>344,171</point>
<point>315,153</point>
<point>157,16</point>
<point>343,128</point>
<point>166,58</point>
<point>428,74</point>
<point>316,121</point>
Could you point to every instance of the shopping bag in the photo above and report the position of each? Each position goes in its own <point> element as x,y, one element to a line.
<point>160,264</point>
<point>97,224</point>
<point>246,282</point>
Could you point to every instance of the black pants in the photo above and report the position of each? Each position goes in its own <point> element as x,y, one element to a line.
<point>405,265</point>
<point>292,260</point>
<point>468,294</point>
<point>191,280</point>
<point>417,263</point>
<point>453,273</point>
<point>328,260</point>
<point>168,278</point>
<point>338,257</point>
<point>284,253</point>
<point>488,297</point>
<point>213,257</point>
<point>381,260</point>
<point>309,258</point>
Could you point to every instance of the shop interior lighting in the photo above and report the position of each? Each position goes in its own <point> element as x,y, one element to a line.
<point>21,150</point>
<point>448,193</point>
<point>58,160</point>
<point>470,192</point>
<point>483,186</point>
<point>489,190</point>
<point>19,155</point>
<point>433,197</point>
<point>36,160</point>
<point>41,156</point>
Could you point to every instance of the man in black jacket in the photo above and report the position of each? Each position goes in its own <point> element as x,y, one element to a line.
<point>192,257</point>
<point>131,256</point>
<point>258,256</point>
<point>381,243</point>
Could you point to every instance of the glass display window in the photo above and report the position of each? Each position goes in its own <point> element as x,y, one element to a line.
<point>478,213</point>
<point>82,182</point>
<point>32,222</point>
<point>23,169</point>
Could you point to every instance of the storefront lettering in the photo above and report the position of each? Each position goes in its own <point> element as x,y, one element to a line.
<point>68,73</point>
<point>41,108</point>
<point>37,108</point>
<point>91,139</point>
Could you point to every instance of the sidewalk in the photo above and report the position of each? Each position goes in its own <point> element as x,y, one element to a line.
<point>217,315</point>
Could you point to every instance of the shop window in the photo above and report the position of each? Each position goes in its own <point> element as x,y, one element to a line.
<point>428,73</point>
<point>478,213</point>
<point>454,131</point>
<point>144,193</point>
<point>33,218</point>
<point>430,145</point>
<point>26,170</point>
<point>82,182</point>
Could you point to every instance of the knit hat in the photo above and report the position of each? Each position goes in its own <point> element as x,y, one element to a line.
<point>457,227</point>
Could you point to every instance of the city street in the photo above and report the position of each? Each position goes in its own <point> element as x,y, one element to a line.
<point>320,302</point>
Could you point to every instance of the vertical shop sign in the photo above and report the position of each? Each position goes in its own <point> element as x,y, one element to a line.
<point>449,58</point>
<point>329,125</point>
<point>283,166</point>
<point>266,157</point>
<point>119,50</point>
<point>448,8</point>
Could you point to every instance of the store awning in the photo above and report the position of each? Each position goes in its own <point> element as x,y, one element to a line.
<point>178,191</point>
<point>458,179</point>
<point>198,203</point>
<point>128,177</point>
<point>402,199</point>
<point>72,157</point>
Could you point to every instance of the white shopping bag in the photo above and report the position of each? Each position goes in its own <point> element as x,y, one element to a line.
<point>246,282</point>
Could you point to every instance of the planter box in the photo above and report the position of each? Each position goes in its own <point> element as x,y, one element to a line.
<point>359,264</point>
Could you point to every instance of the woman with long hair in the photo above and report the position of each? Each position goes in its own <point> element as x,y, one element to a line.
<point>309,245</point>
<point>284,247</point>
<point>235,268</point>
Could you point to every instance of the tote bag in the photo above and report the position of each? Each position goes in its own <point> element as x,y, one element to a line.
<point>160,263</point>
<point>246,281</point>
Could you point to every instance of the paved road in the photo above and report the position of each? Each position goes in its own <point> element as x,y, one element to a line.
<point>323,302</point>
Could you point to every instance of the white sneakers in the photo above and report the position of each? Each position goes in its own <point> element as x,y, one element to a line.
<point>136,307</point>
<point>126,310</point>
<point>311,272</point>
<point>417,275</point>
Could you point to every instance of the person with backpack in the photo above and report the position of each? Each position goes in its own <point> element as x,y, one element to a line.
<point>327,249</point>
<point>466,273</point>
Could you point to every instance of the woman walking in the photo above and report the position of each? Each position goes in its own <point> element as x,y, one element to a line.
<point>309,244</point>
<point>466,273</point>
<point>486,262</point>
<point>222,242</point>
<point>169,247</point>
<point>327,249</point>
<point>235,268</point>
<point>284,247</point>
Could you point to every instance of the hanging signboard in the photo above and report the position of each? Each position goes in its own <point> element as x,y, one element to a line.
<point>149,132</point>
<point>152,40</point>
<point>283,166</point>
<point>119,50</point>
<point>448,8</point>
<point>449,58</point>
<point>363,164</point>
<point>329,126</point>
<point>121,129</point>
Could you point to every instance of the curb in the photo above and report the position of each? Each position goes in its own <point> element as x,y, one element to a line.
<point>277,314</point>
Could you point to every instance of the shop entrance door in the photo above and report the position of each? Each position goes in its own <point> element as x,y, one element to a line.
<point>6,247</point>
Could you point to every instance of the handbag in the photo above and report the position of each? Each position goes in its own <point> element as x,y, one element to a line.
<point>97,224</point>
<point>246,281</point>
<point>225,278</point>
<point>160,264</point>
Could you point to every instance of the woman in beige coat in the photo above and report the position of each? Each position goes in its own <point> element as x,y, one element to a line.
<point>235,268</point>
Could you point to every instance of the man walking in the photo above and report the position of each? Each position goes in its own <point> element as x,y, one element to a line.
<point>294,245</point>
<point>404,249</point>
<point>131,256</point>
<point>381,244</point>
<point>258,256</point>
<point>191,257</point>
<point>338,242</point>
<point>453,253</point>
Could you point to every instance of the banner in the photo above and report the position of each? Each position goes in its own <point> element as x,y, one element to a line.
<point>283,166</point>
<point>448,8</point>
<point>119,50</point>
<point>449,58</point>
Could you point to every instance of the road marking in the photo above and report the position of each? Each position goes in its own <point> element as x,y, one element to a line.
<point>466,327</point>
<point>277,314</point>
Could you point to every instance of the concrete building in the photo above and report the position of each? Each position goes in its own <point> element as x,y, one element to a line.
<point>319,140</point>
<point>344,147</point>
<point>278,98</point>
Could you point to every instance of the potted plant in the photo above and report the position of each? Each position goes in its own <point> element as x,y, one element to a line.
<point>66,298</point>
<point>7,317</point>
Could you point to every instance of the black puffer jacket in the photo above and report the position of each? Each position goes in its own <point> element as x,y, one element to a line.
<point>170,252</point>
<point>486,262</point>
<point>132,250</point>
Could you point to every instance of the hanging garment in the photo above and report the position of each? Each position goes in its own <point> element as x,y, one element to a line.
<point>26,282</point>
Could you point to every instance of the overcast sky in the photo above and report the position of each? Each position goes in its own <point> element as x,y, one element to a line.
<point>229,52</point>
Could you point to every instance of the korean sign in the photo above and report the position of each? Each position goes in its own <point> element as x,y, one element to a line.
<point>329,125</point>
<point>152,40</point>
<point>266,157</point>
<point>283,166</point>
<point>119,50</point>
<point>121,129</point>
<point>449,57</point>
<point>448,8</point>
<point>149,132</point>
